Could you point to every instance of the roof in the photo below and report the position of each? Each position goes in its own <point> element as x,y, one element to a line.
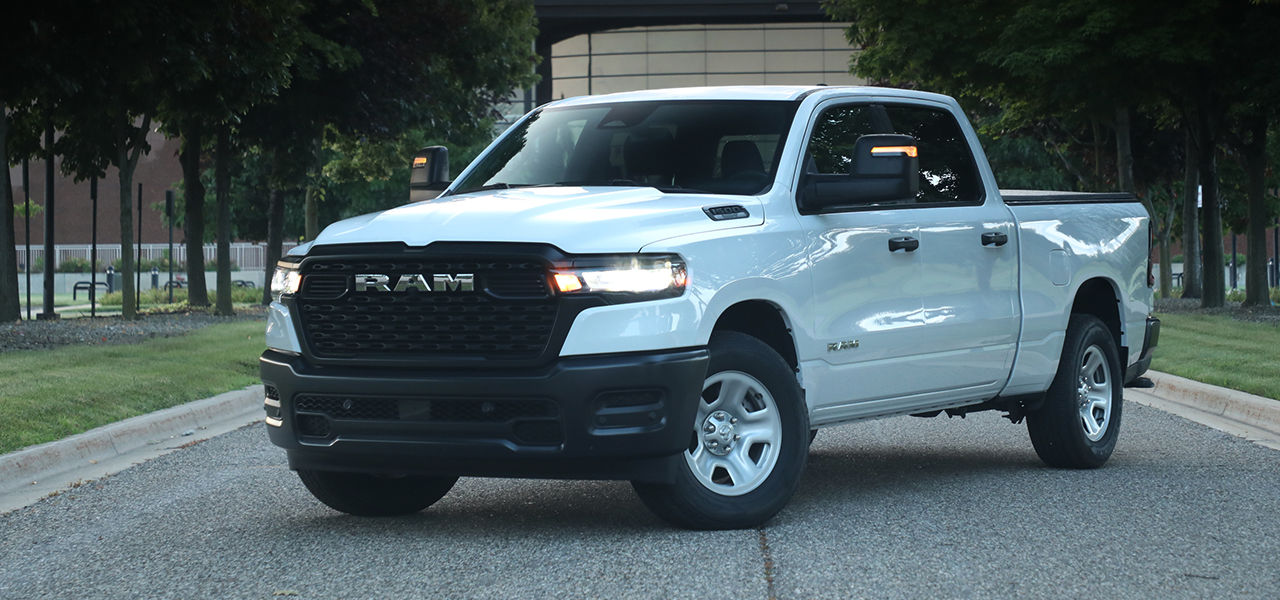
<point>747,92</point>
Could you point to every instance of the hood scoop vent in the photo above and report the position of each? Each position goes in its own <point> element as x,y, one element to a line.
<point>726,212</point>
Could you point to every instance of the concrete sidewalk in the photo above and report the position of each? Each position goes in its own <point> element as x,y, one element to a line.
<point>33,473</point>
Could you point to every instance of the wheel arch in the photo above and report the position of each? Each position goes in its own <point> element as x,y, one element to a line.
<point>764,321</point>
<point>1100,297</point>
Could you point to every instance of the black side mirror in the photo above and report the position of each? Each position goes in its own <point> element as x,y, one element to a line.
<point>429,173</point>
<point>886,168</point>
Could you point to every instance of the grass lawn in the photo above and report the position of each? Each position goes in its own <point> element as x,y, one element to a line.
<point>51,394</point>
<point>1220,350</point>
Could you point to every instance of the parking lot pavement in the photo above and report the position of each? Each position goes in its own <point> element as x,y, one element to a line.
<point>892,508</point>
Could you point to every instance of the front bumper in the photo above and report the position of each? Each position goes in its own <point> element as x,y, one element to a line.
<point>1149,341</point>
<point>598,417</point>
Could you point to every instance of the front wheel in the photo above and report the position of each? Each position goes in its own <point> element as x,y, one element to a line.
<point>748,442</point>
<point>1079,422</point>
<point>368,495</point>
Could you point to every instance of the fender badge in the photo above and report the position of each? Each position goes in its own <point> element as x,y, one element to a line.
<point>845,345</point>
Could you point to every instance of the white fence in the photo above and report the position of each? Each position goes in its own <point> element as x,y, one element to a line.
<point>244,256</point>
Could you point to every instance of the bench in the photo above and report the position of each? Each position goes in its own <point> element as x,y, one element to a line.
<point>245,283</point>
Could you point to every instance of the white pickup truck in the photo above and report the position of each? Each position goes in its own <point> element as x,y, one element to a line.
<point>679,287</point>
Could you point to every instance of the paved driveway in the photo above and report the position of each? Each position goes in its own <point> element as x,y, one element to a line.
<point>897,508</point>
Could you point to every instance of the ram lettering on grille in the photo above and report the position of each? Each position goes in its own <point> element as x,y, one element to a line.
<point>440,282</point>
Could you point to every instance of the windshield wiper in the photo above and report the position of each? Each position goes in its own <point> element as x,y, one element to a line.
<point>675,189</point>
<point>594,183</point>
<point>501,185</point>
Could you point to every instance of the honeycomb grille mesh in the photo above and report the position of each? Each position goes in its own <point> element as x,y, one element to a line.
<point>510,315</point>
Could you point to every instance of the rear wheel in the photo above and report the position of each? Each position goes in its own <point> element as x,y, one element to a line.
<point>1079,422</point>
<point>367,495</point>
<point>748,442</point>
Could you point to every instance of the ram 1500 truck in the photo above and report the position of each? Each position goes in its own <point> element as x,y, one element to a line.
<point>680,287</point>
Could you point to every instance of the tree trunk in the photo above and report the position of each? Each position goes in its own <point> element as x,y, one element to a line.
<point>1215,291</point>
<point>311,210</point>
<point>128,304</point>
<point>1166,266</point>
<point>275,238</point>
<point>10,307</point>
<point>1124,151</point>
<point>50,251</point>
<point>222,193</point>
<point>1192,286</point>
<point>126,162</point>
<point>193,222</point>
<point>1257,291</point>
<point>1097,152</point>
<point>1164,244</point>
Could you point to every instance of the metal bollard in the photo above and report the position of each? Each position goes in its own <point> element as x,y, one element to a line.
<point>155,278</point>
<point>111,279</point>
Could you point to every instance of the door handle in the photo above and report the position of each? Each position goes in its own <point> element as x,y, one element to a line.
<point>907,243</point>
<point>994,238</point>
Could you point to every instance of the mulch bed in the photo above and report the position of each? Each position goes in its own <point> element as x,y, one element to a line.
<point>36,335</point>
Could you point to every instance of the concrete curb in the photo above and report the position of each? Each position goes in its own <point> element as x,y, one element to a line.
<point>49,460</point>
<point>1251,417</point>
<point>1257,411</point>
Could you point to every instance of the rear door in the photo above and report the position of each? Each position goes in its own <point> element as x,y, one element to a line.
<point>968,258</point>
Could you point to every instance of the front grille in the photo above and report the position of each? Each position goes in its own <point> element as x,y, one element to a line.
<point>509,315</point>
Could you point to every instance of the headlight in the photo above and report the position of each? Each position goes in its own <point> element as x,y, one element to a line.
<point>285,280</point>
<point>625,277</point>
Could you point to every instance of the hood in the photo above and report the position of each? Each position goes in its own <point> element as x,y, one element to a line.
<point>578,220</point>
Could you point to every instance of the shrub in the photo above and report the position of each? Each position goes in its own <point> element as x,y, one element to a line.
<point>212,265</point>
<point>1226,259</point>
<point>161,296</point>
<point>160,264</point>
<point>74,265</point>
<point>246,295</point>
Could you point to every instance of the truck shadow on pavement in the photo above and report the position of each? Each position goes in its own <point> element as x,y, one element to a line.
<point>836,477</point>
<point>510,505</point>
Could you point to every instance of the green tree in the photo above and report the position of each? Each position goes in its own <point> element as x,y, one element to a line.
<point>102,66</point>
<point>1088,61</point>
<point>373,70</point>
<point>1253,58</point>
<point>245,55</point>
<point>22,74</point>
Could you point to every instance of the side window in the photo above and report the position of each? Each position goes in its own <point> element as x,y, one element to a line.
<point>948,172</point>
<point>836,131</point>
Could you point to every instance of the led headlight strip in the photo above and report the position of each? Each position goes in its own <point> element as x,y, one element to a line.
<point>642,276</point>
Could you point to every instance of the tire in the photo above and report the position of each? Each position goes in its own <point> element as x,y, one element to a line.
<point>1079,422</point>
<point>744,470</point>
<point>366,495</point>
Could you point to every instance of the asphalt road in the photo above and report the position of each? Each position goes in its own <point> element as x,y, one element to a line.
<point>896,508</point>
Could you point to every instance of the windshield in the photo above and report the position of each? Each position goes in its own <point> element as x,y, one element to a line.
<point>711,146</point>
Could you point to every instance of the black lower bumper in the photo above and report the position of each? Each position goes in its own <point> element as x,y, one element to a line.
<point>1149,341</point>
<point>603,417</point>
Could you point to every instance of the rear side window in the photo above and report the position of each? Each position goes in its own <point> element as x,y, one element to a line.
<point>948,173</point>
